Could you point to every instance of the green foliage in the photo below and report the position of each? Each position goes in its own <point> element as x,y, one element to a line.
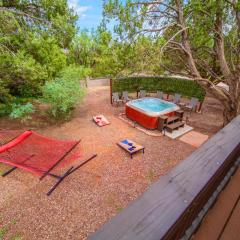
<point>133,19</point>
<point>5,109</point>
<point>14,221</point>
<point>82,49</point>
<point>169,85</point>
<point>64,92</point>
<point>119,209</point>
<point>75,73</point>
<point>96,50</point>
<point>3,232</point>
<point>21,111</point>
<point>107,56</point>
<point>150,175</point>
<point>42,17</point>
<point>17,237</point>
<point>127,18</point>
<point>4,92</point>
<point>24,72</point>
<point>21,75</point>
<point>47,52</point>
<point>33,39</point>
<point>62,96</point>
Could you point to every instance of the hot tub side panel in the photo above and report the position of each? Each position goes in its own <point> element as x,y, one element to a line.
<point>141,118</point>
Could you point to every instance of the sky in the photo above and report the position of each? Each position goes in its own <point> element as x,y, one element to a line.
<point>89,12</point>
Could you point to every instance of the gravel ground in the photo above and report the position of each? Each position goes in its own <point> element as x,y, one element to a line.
<point>95,193</point>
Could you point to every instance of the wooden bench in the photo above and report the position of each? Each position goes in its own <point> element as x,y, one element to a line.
<point>130,146</point>
<point>174,126</point>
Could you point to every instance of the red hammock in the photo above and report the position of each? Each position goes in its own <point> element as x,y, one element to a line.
<point>39,155</point>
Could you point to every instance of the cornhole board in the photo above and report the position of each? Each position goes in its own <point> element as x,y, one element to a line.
<point>130,146</point>
<point>101,120</point>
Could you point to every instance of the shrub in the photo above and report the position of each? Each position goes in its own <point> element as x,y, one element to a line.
<point>63,95</point>
<point>47,53</point>
<point>34,60</point>
<point>5,97</point>
<point>74,73</point>
<point>4,109</point>
<point>169,85</point>
<point>22,75</point>
<point>21,111</point>
<point>65,91</point>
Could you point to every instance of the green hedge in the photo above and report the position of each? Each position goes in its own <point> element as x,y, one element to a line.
<point>168,85</point>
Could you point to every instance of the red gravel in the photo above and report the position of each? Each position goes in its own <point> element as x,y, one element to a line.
<point>95,193</point>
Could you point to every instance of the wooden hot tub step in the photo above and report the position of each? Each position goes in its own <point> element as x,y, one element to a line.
<point>174,126</point>
<point>172,119</point>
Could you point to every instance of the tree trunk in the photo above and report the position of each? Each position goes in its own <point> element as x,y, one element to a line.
<point>238,24</point>
<point>229,115</point>
<point>185,40</point>
<point>219,42</point>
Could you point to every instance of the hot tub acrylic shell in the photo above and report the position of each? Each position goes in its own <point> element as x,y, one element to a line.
<point>147,119</point>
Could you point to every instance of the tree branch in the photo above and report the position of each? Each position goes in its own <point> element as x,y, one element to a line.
<point>21,13</point>
<point>171,40</point>
<point>155,3</point>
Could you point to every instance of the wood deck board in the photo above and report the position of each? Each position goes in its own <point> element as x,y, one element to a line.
<point>220,222</point>
<point>232,230</point>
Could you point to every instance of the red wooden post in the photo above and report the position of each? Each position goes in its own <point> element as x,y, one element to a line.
<point>111,101</point>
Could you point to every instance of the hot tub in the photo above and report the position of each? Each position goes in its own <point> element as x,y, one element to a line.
<point>146,111</point>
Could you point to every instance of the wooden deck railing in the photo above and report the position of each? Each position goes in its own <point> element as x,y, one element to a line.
<point>170,206</point>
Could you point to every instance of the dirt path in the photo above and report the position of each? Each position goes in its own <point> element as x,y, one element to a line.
<point>95,193</point>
